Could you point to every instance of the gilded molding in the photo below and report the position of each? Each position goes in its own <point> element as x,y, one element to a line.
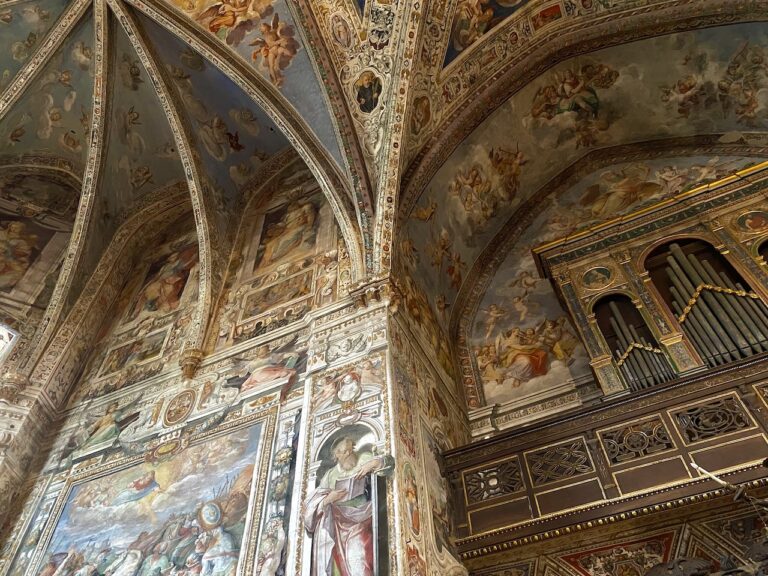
<point>89,187</point>
<point>209,238</point>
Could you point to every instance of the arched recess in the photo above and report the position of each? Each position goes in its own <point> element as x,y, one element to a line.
<point>288,258</point>
<point>38,203</point>
<point>564,206</point>
<point>64,358</point>
<point>354,225</point>
<point>492,174</point>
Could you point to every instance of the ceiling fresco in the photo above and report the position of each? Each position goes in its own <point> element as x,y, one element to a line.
<point>521,341</point>
<point>232,135</point>
<point>23,27</point>
<point>710,81</point>
<point>53,115</point>
<point>473,18</point>
<point>264,34</point>
<point>141,152</point>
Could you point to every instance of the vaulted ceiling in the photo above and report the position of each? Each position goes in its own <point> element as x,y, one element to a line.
<point>437,130</point>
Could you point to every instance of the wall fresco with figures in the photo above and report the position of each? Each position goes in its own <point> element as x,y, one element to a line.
<point>37,212</point>
<point>57,111</point>
<point>522,341</point>
<point>703,82</point>
<point>151,312</point>
<point>291,259</point>
<point>429,421</point>
<point>24,28</point>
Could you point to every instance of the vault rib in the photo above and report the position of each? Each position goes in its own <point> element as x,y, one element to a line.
<point>58,33</point>
<point>89,186</point>
<point>203,205</point>
<point>352,223</point>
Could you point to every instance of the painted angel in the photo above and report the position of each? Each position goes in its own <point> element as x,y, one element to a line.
<point>235,17</point>
<point>277,48</point>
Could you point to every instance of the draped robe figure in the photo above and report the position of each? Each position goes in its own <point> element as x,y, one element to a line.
<point>342,526</point>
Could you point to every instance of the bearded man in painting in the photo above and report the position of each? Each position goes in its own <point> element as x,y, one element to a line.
<point>339,514</point>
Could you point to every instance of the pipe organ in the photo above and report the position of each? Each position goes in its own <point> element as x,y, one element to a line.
<point>649,313</point>
<point>636,353</point>
<point>723,319</point>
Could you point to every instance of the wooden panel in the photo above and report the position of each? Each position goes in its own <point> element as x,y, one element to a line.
<point>503,514</point>
<point>569,497</point>
<point>654,474</point>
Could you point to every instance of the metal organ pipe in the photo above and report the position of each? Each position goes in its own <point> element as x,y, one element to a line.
<point>723,321</point>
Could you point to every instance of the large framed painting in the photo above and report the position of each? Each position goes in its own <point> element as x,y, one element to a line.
<point>195,510</point>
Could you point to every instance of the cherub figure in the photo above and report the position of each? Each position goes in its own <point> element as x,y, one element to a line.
<point>277,47</point>
<point>236,18</point>
<point>493,314</point>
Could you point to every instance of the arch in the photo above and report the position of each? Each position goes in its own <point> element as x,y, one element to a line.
<point>61,359</point>
<point>352,224</point>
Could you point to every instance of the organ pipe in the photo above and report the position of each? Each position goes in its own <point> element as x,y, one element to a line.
<point>722,320</point>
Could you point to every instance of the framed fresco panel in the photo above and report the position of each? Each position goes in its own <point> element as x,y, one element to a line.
<point>281,292</point>
<point>135,352</point>
<point>195,509</point>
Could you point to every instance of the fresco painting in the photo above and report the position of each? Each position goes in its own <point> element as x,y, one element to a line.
<point>232,134</point>
<point>433,444</point>
<point>23,26</point>
<point>165,281</point>
<point>36,219</point>
<point>606,98</point>
<point>289,232</point>
<point>136,352</point>
<point>264,34</point>
<point>283,292</point>
<point>473,18</point>
<point>522,341</point>
<point>187,512</point>
<point>340,512</point>
<point>141,151</point>
<point>56,109</point>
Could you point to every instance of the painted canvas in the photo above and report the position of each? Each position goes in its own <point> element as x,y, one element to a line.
<point>186,513</point>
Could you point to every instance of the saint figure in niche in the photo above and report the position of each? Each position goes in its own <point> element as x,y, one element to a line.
<point>368,88</point>
<point>340,512</point>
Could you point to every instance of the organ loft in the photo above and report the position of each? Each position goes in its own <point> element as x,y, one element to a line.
<point>383,287</point>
